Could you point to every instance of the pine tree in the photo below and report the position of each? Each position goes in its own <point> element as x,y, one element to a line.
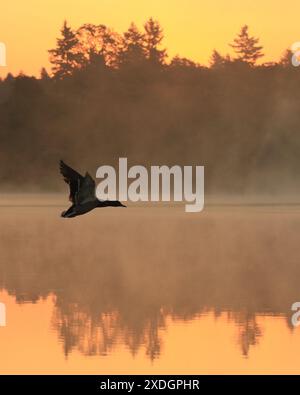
<point>153,39</point>
<point>217,60</point>
<point>133,49</point>
<point>246,47</point>
<point>44,74</point>
<point>9,78</point>
<point>66,58</point>
<point>286,59</point>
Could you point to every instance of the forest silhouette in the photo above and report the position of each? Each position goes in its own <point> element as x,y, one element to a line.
<point>112,95</point>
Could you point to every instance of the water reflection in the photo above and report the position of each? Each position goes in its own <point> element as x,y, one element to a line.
<point>117,278</point>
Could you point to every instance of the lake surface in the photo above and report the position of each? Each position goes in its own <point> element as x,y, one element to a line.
<point>148,289</point>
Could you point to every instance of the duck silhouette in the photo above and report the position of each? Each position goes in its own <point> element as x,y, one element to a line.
<point>82,193</point>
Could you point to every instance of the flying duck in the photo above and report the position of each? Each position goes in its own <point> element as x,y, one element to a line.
<point>82,193</point>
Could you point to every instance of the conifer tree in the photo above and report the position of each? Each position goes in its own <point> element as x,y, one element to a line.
<point>246,47</point>
<point>66,58</point>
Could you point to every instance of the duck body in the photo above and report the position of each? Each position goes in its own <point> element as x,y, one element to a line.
<point>82,193</point>
<point>78,209</point>
<point>84,208</point>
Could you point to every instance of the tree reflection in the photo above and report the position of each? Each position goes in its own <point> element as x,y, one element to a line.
<point>121,286</point>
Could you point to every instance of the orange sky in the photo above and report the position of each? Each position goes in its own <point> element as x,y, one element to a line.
<point>192,27</point>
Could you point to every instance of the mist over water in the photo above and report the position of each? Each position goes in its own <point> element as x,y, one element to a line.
<point>125,278</point>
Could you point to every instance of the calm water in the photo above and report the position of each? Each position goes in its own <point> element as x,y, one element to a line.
<point>148,290</point>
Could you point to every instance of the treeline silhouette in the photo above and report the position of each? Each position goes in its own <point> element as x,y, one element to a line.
<point>111,95</point>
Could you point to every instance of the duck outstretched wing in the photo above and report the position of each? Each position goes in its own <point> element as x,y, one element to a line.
<point>86,191</point>
<point>74,179</point>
